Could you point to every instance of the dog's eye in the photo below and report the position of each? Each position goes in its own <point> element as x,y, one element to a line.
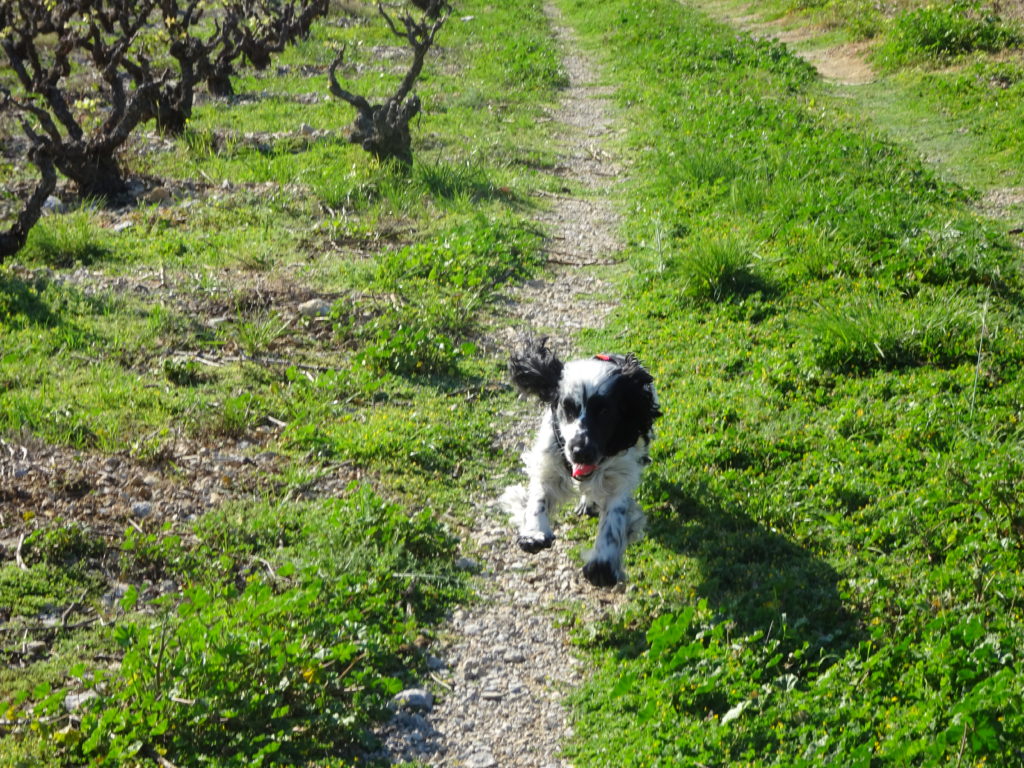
<point>570,408</point>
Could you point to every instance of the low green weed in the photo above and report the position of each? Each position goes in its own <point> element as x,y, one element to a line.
<point>22,304</point>
<point>938,33</point>
<point>184,373</point>
<point>870,333</point>
<point>33,591</point>
<point>233,417</point>
<point>255,336</point>
<point>424,298</point>
<point>280,645</point>
<point>64,545</point>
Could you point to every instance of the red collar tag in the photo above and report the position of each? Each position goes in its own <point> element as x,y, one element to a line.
<point>606,358</point>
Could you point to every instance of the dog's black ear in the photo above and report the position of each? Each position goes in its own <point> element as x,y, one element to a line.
<point>638,404</point>
<point>535,370</point>
<point>646,401</point>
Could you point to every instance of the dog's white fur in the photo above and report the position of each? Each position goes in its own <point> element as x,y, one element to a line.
<point>607,491</point>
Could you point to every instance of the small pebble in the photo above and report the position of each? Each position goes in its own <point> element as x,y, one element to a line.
<point>314,308</point>
<point>158,195</point>
<point>481,759</point>
<point>53,204</point>
<point>412,698</point>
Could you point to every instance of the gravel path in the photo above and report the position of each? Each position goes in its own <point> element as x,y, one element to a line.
<point>505,663</point>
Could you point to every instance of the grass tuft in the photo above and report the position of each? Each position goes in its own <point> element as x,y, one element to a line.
<point>879,333</point>
<point>66,240</point>
<point>720,270</point>
<point>936,34</point>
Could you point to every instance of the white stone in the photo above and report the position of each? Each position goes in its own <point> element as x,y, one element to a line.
<point>314,308</point>
<point>412,698</point>
<point>482,759</point>
<point>74,701</point>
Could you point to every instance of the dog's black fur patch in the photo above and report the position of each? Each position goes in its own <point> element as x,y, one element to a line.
<point>600,573</point>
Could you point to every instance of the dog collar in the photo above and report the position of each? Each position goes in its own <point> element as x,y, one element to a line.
<point>615,359</point>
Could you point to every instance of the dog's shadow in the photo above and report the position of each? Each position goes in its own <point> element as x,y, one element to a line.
<point>750,575</point>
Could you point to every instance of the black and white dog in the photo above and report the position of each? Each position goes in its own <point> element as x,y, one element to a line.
<point>593,438</point>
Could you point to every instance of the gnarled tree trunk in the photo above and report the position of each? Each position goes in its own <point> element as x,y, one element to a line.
<point>383,129</point>
<point>84,154</point>
<point>94,170</point>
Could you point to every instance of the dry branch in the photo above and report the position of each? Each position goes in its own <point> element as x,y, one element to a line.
<point>255,30</point>
<point>14,238</point>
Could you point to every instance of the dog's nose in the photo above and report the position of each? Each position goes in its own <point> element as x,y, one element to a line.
<point>582,451</point>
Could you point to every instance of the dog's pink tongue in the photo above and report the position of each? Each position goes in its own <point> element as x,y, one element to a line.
<point>582,470</point>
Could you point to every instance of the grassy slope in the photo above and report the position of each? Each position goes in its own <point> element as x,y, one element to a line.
<point>834,564</point>
<point>319,607</point>
<point>947,81</point>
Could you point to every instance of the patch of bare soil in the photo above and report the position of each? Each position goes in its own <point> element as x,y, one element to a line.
<point>109,492</point>
<point>505,665</point>
<point>1006,204</point>
<point>1001,202</point>
<point>845,64</point>
<point>177,482</point>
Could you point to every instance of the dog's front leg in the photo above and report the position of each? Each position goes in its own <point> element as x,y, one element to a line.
<point>535,531</point>
<point>604,563</point>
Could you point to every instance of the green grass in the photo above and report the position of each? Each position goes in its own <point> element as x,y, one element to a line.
<point>67,240</point>
<point>939,34</point>
<point>834,561</point>
<point>946,82</point>
<point>960,121</point>
<point>288,623</point>
<point>292,618</point>
<point>834,555</point>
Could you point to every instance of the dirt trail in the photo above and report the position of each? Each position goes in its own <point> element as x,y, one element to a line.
<point>506,664</point>
<point>844,64</point>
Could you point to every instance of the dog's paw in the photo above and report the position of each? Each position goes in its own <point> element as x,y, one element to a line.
<point>584,509</point>
<point>601,573</point>
<point>534,542</point>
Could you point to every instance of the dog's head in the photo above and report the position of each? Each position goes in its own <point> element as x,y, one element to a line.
<point>601,406</point>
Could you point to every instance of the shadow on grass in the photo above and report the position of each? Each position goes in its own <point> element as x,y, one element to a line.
<point>21,304</point>
<point>450,181</point>
<point>753,576</point>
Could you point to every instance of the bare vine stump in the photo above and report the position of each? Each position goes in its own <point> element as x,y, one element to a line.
<point>383,129</point>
